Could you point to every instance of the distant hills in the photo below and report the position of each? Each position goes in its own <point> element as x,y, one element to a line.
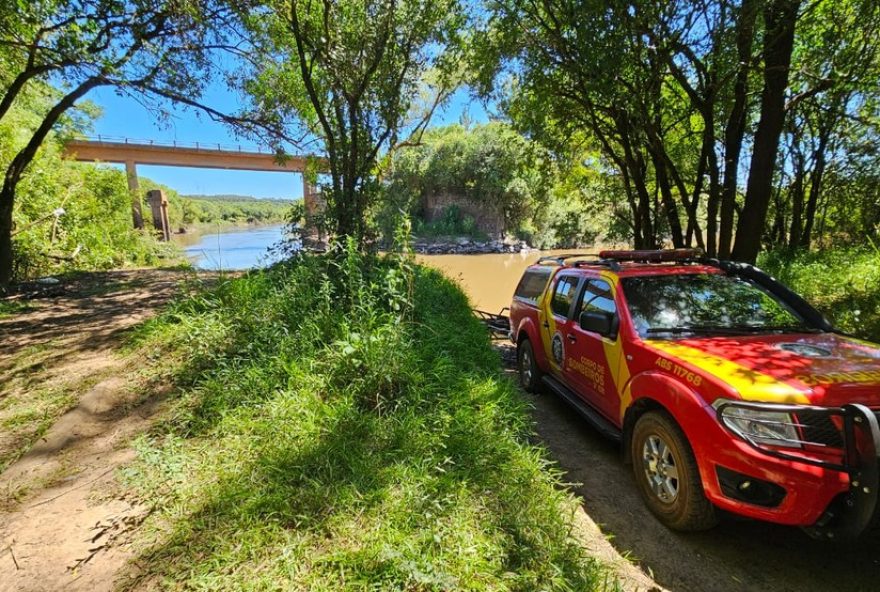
<point>237,198</point>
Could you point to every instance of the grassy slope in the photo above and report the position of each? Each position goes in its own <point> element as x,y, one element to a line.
<point>394,458</point>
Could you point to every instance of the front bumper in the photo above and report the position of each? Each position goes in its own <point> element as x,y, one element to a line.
<point>843,490</point>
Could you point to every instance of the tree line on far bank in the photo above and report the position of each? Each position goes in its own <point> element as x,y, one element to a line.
<point>733,125</point>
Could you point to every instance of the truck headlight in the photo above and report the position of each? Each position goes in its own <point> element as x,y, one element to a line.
<point>760,426</point>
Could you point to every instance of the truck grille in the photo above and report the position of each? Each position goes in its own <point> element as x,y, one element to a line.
<point>817,427</point>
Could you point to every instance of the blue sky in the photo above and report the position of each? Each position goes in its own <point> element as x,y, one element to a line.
<point>124,117</point>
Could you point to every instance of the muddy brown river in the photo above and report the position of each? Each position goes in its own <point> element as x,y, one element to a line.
<point>489,280</point>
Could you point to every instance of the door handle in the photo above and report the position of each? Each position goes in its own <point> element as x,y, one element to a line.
<point>546,325</point>
<point>572,338</point>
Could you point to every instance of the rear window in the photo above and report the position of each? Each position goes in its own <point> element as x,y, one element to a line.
<point>532,284</point>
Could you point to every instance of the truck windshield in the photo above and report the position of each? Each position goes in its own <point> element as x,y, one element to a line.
<point>711,304</point>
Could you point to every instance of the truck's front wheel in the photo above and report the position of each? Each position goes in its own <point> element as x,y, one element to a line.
<point>529,373</point>
<point>667,476</point>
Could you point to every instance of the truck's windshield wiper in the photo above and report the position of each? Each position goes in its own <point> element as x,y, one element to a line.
<point>732,329</point>
<point>776,329</point>
<point>708,329</point>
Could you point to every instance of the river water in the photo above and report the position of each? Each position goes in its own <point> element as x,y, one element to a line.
<point>232,248</point>
<point>489,280</point>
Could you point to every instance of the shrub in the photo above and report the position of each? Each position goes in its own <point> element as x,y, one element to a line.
<point>842,283</point>
<point>336,431</point>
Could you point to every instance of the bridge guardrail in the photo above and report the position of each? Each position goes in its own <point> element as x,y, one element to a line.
<point>244,148</point>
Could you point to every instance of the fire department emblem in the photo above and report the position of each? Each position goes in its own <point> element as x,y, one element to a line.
<point>558,348</point>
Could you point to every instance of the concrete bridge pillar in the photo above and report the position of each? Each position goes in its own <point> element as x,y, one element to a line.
<point>314,206</point>
<point>159,205</point>
<point>137,214</point>
<point>310,198</point>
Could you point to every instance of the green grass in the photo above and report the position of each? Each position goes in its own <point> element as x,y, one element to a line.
<point>28,408</point>
<point>11,308</point>
<point>345,426</point>
<point>842,283</point>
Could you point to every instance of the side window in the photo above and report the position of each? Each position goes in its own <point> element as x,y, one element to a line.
<point>532,284</point>
<point>563,295</point>
<point>597,297</point>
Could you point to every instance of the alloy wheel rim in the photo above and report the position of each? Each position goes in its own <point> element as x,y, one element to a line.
<point>526,367</point>
<point>660,468</point>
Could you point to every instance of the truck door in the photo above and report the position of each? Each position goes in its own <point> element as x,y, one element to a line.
<point>587,367</point>
<point>557,322</point>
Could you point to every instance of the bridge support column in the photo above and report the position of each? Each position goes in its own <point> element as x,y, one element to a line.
<point>137,214</point>
<point>314,206</point>
<point>309,195</point>
<point>159,205</point>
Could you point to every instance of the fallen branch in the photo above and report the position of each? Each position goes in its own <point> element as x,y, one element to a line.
<point>12,554</point>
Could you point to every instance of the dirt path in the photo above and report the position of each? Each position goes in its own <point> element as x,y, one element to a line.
<point>65,525</point>
<point>737,555</point>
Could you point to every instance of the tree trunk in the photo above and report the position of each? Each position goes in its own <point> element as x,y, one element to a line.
<point>6,202</point>
<point>668,202</point>
<point>736,127</point>
<point>18,166</point>
<point>806,237</point>
<point>796,191</point>
<point>780,17</point>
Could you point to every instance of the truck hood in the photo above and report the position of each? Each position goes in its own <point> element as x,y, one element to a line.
<point>820,369</point>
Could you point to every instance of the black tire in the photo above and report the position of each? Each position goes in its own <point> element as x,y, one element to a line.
<point>529,373</point>
<point>667,475</point>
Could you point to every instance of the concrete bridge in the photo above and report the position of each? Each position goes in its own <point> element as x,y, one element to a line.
<point>212,156</point>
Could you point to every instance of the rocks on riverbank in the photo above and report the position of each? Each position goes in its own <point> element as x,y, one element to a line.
<point>467,246</point>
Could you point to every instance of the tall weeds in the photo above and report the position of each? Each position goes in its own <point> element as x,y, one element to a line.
<point>342,424</point>
<point>843,283</point>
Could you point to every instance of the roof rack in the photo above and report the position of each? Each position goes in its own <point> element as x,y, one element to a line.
<point>653,255</point>
<point>613,258</point>
<point>560,259</point>
<point>597,259</point>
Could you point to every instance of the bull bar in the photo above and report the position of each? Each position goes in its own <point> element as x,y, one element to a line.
<point>858,508</point>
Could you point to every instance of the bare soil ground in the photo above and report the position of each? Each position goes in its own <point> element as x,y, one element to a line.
<point>739,554</point>
<point>69,405</point>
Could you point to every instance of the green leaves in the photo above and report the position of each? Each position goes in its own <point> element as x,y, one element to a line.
<point>346,74</point>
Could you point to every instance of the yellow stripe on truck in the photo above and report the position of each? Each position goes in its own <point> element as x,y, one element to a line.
<point>750,384</point>
<point>615,357</point>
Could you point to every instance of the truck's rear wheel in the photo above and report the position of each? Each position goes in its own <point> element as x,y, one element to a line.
<point>529,373</point>
<point>667,476</point>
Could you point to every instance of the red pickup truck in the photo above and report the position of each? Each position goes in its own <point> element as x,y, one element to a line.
<point>727,390</point>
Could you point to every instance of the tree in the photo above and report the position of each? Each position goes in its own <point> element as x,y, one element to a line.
<point>629,73</point>
<point>832,99</point>
<point>665,89</point>
<point>489,165</point>
<point>347,74</point>
<point>149,48</point>
<point>780,18</point>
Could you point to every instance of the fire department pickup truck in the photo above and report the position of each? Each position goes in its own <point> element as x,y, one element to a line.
<point>726,389</point>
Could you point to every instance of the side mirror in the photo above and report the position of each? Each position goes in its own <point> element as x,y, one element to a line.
<point>603,323</point>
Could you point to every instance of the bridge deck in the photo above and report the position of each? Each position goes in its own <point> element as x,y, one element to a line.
<point>185,156</point>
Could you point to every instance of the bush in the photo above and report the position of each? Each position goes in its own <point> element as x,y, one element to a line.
<point>842,283</point>
<point>453,222</point>
<point>343,424</point>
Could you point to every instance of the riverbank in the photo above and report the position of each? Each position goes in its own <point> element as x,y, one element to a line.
<point>314,433</point>
<point>339,431</point>
<point>463,245</point>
